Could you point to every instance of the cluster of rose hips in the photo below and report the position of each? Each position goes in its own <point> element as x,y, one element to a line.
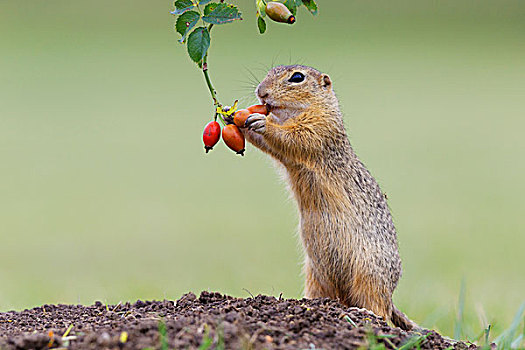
<point>231,134</point>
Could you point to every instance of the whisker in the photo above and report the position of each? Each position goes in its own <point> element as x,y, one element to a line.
<point>254,77</point>
<point>248,81</point>
<point>251,76</point>
<point>262,68</point>
<point>247,100</point>
<point>246,85</point>
<point>244,91</point>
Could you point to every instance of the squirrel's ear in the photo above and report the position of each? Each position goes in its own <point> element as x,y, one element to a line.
<point>326,82</point>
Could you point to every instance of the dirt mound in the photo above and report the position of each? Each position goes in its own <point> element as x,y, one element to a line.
<point>211,321</point>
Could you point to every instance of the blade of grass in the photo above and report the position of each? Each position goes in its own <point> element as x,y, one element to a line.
<point>487,333</point>
<point>163,337</point>
<point>207,341</point>
<point>349,320</point>
<point>220,339</point>
<point>506,339</point>
<point>414,341</point>
<point>516,343</point>
<point>458,327</point>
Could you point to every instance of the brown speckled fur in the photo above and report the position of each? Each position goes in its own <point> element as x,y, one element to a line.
<point>346,229</point>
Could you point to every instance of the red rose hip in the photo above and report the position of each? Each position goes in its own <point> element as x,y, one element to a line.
<point>239,118</point>
<point>261,109</point>
<point>211,135</point>
<point>233,138</point>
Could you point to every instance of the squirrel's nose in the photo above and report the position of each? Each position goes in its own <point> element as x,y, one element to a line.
<point>261,92</point>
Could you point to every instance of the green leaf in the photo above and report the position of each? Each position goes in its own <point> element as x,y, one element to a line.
<point>198,44</point>
<point>186,22</point>
<point>221,13</point>
<point>209,8</point>
<point>182,6</point>
<point>204,2</point>
<point>261,24</point>
<point>311,6</point>
<point>291,6</point>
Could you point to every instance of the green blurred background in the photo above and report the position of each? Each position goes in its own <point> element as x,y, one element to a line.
<point>106,193</point>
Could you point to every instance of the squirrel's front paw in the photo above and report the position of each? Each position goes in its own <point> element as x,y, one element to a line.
<point>256,122</point>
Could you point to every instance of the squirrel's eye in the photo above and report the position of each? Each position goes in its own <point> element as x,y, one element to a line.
<point>296,77</point>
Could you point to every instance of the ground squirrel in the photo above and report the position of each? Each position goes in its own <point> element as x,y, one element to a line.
<point>346,229</point>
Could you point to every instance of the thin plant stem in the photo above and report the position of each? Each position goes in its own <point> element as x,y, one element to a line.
<point>205,64</point>
<point>208,81</point>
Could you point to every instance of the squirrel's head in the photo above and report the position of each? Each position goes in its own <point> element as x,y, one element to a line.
<point>290,90</point>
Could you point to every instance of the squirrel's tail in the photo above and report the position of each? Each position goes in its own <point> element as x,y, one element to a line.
<point>399,319</point>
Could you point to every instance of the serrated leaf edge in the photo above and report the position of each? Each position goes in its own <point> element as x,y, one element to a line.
<point>182,10</point>
<point>199,63</point>
<point>184,36</point>
<point>214,20</point>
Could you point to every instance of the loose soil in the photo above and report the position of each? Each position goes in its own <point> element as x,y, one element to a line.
<point>210,321</point>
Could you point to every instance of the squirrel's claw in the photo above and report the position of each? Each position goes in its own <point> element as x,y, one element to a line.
<point>256,122</point>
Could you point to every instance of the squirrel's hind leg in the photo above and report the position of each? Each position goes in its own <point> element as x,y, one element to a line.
<point>369,293</point>
<point>312,286</point>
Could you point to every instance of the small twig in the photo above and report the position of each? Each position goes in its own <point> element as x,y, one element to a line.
<point>67,331</point>
<point>117,306</point>
<point>71,337</point>
<point>246,290</point>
